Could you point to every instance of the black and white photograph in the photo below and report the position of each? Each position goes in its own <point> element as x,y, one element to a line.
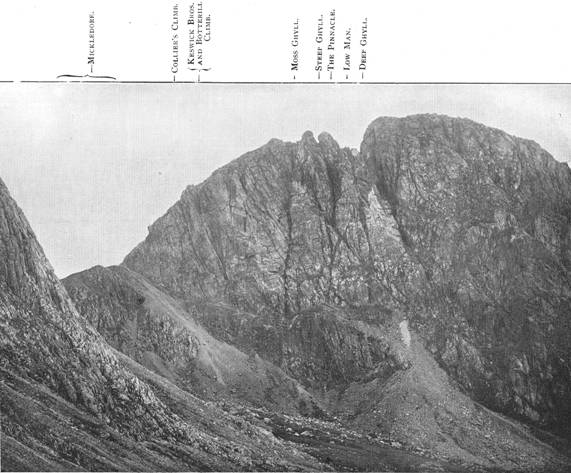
<point>285,277</point>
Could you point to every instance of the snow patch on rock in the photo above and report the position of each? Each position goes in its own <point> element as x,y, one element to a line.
<point>404,333</point>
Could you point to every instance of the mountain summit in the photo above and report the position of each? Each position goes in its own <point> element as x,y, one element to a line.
<point>461,228</point>
<point>308,253</point>
<point>405,308</point>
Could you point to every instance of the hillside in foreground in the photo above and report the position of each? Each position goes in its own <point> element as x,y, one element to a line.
<point>404,307</point>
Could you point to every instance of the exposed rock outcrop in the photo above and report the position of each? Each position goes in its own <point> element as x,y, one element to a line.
<point>462,228</point>
<point>67,400</point>
<point>280,231</point>
<point>309,254</point>
<point>487,216</point>
<point>153,329</point>
<point>421,407</point>
<point>410,287</point>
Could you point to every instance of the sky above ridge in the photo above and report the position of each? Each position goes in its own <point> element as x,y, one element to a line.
<point>93,165</point>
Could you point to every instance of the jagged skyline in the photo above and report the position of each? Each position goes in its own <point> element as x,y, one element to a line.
<point>404,308</point>
<point>90,199</point>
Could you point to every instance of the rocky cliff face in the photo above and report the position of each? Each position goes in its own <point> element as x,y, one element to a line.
<point>421,407</point>
<point>278,231</point>
<point>487,217</point>
<point>69,402</point>
<point>272,235</point>
<point>406,286</point>
<point>152,328</point>
<point>460,229</point>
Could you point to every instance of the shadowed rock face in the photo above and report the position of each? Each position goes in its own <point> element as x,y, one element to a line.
<point>43,337</point>
<point>272,235</point>
<point>421,407</point>
<point>68,401</point>
<point>487,217</point>
<point>434,261</point>
<point>459,228</point>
